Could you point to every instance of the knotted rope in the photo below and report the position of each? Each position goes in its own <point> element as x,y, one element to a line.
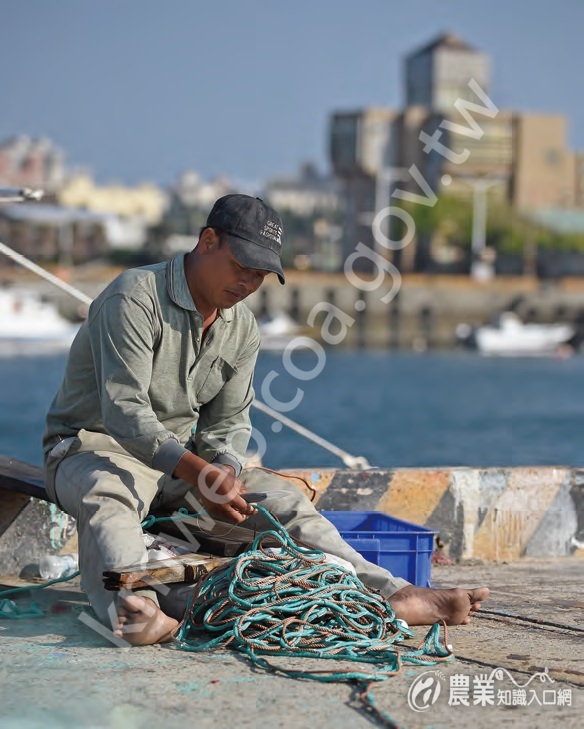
<point>290,601</point>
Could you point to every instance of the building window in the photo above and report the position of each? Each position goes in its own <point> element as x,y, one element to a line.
<point>552,157</point>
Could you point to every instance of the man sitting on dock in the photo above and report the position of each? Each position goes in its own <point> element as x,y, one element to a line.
<point>153,414</point>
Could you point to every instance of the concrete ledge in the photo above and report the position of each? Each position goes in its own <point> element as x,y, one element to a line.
<point>490,513</point>
<point>30,528</point>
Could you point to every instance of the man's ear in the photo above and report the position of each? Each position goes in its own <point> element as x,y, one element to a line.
<point>208,242</point>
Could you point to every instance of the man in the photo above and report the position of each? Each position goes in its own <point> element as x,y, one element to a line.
<point>153,413</point>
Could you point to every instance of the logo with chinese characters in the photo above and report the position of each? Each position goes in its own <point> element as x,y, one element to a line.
<point>486,690</point>
<point>425,690</point>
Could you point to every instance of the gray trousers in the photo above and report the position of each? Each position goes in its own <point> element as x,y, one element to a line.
<point>109,493</point>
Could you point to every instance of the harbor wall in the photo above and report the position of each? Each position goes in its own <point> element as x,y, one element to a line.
<point>496,514</point>
<point>423,313</point>
<point>492,513</point>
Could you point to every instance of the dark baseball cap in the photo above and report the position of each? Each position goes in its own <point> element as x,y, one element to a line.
<point>252,229</point>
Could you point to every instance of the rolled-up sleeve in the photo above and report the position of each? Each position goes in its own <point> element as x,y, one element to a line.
<point>122,333</point>
<point>224,427</point>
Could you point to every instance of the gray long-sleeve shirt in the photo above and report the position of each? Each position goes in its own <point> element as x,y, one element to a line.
<point>138,372</point>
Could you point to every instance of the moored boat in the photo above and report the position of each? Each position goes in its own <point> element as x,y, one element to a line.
<point>509,336</point>
<point>277,331</point>
<point>28,321</point>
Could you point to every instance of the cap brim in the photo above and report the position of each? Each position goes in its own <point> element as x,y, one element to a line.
<point>253,255</point>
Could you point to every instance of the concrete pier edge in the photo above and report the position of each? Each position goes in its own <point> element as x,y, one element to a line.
<point>483,513</point>
<point>486,513</point>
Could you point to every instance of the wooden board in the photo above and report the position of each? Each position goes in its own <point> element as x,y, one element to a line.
<point>186,568</point>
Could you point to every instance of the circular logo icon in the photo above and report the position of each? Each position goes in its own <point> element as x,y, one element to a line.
<point>424,691</point>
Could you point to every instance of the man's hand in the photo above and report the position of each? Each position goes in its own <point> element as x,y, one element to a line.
<point>221,493</point>
<point>219,489</point>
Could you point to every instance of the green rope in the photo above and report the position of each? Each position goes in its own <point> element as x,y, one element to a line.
<point>181,514</point>
<point>9,609</point>
<point>294,603</point>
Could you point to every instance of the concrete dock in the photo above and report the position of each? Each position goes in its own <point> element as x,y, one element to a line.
<point>58,673</point>
<point>520,662</point>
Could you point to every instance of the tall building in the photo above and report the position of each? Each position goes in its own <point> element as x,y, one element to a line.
<point>438,74</point>
<point>457,138</point>
<point>544,170</point>
<point>362,144</point>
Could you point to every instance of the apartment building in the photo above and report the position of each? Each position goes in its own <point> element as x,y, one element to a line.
<point>456,136</point>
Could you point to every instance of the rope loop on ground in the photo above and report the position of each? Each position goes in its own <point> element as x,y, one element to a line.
<point>283,599</point>
<point>9,609</point>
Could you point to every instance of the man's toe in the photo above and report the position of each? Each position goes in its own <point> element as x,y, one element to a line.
<point>478,594</point>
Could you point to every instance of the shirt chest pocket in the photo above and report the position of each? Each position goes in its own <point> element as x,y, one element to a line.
<point>210,381</point>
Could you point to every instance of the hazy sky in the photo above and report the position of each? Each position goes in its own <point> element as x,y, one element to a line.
<point>143,89</point>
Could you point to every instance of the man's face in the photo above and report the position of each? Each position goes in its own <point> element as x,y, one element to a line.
<point>228,280</point>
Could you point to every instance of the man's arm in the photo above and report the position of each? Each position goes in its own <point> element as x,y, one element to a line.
<point>122,333</point>
<point>224,426</point>
<point>220,490</point>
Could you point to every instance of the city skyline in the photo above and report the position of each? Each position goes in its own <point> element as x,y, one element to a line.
<point>136,92</point>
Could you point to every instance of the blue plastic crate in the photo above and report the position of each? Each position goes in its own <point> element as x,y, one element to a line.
<point>403,548</point>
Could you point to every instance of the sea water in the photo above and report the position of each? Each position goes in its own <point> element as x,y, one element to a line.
<point>395,409</point>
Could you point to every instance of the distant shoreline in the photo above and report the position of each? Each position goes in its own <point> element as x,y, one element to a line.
<point>424,315</point>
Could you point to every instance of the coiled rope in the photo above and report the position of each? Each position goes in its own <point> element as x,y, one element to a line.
<point>282,599</point>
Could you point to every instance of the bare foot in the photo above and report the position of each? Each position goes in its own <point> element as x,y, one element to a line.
<point>142,622</point>
<point>426,605</point>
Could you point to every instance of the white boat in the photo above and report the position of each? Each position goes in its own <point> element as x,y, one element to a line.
<point>510,337</point>
<point>277,331</point>
<point>28,323</point>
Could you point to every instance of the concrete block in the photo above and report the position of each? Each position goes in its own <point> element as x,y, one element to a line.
<point>493,513</point>
<point>39,528</point>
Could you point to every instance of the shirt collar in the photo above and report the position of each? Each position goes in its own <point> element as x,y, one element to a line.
<point>178,289</point>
